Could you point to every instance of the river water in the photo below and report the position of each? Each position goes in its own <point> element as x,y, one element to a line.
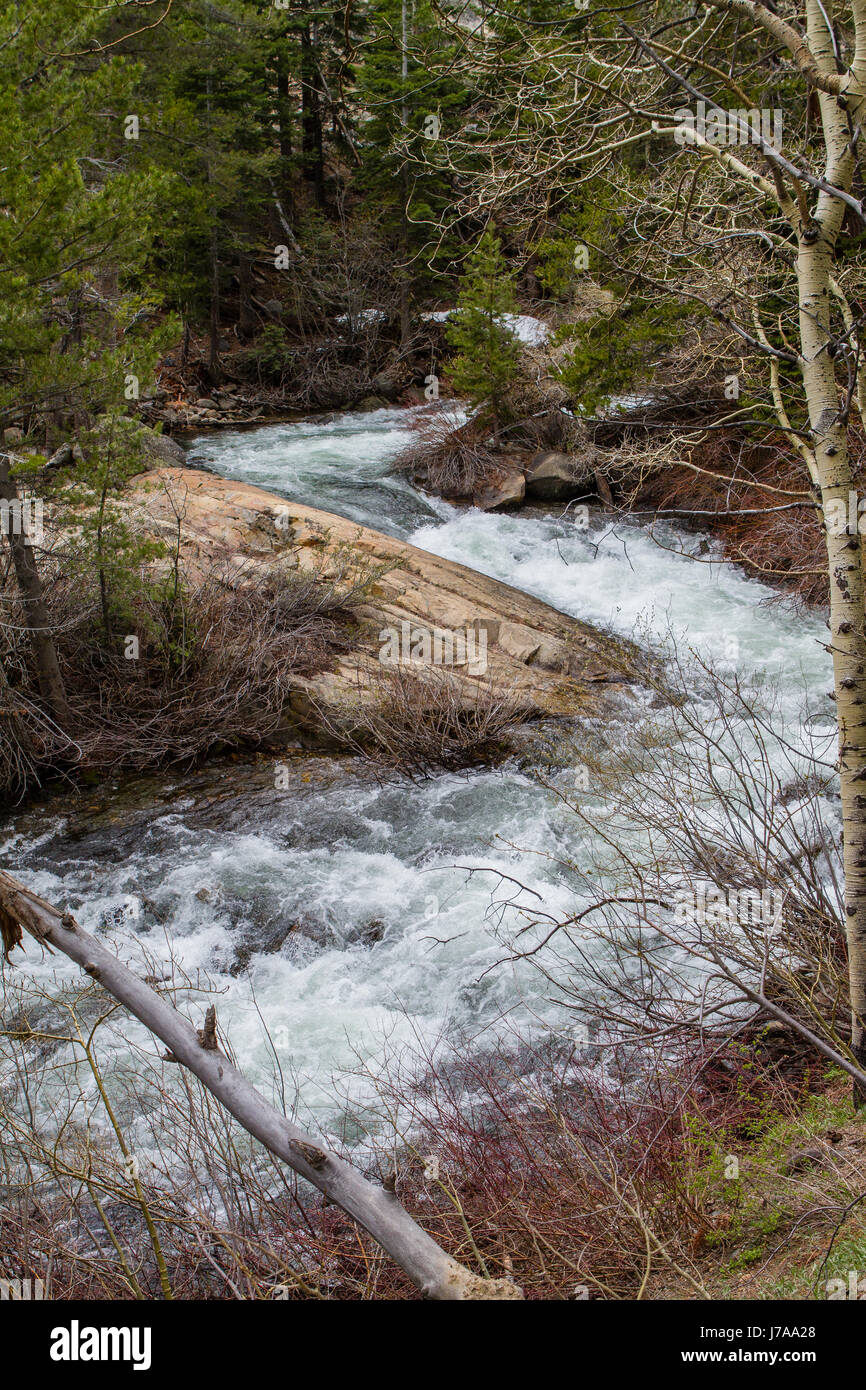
<point>340,916</point>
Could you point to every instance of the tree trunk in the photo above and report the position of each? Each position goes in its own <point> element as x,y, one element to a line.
<point>829,426</point>
<point>404,185</point>
<point>48,675</point>
<point>247,321</point>
<point>311,117</point>
<point>213,358</point>
<point>284,121</point>
<point>213,362</point>
<point>374,1206</point>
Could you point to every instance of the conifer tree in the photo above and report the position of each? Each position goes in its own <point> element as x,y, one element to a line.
<point>75,307</point>
<point>487,355</point>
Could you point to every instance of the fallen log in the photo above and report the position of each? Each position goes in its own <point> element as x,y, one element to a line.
<point>437,1274</point>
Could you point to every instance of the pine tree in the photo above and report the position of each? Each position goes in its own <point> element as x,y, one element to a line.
<point>75,307</point>
<point>487,359</point>
<point>208,112</point>
<point>408,111</point>
<point>77,223</point>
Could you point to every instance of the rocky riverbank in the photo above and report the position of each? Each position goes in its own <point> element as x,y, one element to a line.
<point>549,664</point>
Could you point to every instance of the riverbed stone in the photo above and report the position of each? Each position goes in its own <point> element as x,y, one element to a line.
<point>161,449</point>
<point>505,489</point>
<point>548,663</point>
<point>554,477</point>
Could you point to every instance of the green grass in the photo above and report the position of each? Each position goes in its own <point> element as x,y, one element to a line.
<point>765,1210</point>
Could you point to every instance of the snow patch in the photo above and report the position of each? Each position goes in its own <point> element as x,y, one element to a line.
<point>530,331</point>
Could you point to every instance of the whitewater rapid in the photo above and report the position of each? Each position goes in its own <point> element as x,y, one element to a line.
<point>341,916</point>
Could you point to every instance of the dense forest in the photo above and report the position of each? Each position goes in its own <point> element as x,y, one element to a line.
<point>449,418</point>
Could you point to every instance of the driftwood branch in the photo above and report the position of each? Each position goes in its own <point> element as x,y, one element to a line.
<point>377,1209</point>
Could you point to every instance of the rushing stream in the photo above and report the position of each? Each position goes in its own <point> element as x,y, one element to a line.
<point>341,913</point>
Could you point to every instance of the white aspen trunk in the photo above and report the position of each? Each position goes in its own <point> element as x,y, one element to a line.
<point>817,241</point>
<point>378,1210</point>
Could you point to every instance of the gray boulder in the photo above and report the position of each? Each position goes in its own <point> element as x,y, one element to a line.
<point>160,450</point>
<point>506,489</point>
<point>556,477</point>
<point>384,385</point>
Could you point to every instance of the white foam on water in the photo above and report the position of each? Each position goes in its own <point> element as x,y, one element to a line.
<point>339,463</point>
<point>405,936</point>
<point>629,579</point>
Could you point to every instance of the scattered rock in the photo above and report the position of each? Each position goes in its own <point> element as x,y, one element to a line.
<point>62,457</point>
<point>556,477</point>
<point>505,489</point>
<point>384,385</point>
<point>370,933</point>
<point>160,449</point>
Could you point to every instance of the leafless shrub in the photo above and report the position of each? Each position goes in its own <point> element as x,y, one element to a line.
<point>135,1183</point>
<point>709,804</point>
<point>28,740</point>
<point>448,458</point>
<point>544,430</point>
<point>580,1171</point>
<point>29,737</point>
<point>215,666</point>
<point>420,721</point>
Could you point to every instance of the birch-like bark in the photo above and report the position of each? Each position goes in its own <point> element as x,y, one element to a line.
<point>816,245</point>
<point>378,1210</point>
<point>39,629</point>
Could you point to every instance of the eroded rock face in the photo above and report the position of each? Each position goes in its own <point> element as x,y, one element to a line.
<point>507,489</point>
<point>551,664</point>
